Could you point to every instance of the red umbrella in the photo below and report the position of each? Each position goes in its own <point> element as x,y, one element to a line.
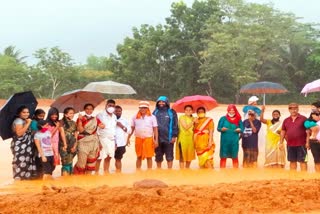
<point>195,101</point>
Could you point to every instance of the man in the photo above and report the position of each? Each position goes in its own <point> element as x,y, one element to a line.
<point>107,136</point>
<point>294,132</point>
<point>122,129</point>
<point>250,140</point>
<point>145,126</point>
<point>167,130</point>
<point>252,105</point>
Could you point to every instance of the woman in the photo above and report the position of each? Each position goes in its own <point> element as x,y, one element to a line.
<point>38,115</point>
<point>71,134</point>
<point>56,132</point>
<point>312,143</point>
<point>185,148</point>
<point>275,157</point>
<point>203,139</point>
<point>22,146</point>
<point>230,126</point>
<point>88,142</point>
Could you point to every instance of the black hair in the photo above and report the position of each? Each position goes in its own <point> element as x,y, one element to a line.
<point>88,104</point>
<point>276,111</point>
<point>64,119</point>
<point>316,104</point>
<point>111,101</point>
<point>310,117</point>
<point>198,109</point>
<point>52,111</point>
<point>37,113</point>
<point>41,123</point>
<point>20,109</point>
<point>118,107</point>
<point>190,106</point>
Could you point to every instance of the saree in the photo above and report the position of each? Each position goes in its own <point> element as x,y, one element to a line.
<point>23,150</point>
<point>201,141</point>
<point>274,156</point>
<point>67,156</point>
<point>185,146</point>
<point>88,147</point>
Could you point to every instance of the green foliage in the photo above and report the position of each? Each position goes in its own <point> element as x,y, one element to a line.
<point>55,68</point>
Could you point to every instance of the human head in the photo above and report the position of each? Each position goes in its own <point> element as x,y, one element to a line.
<point>118,111</point>
<point>68,113</point>
<point>314,116</point>
<point>162,102</point>
<point>144,107</point>
<point>253,100</point>
<point>53,114</point>
<point>201,112</point>
<point>293,109</point>
<point>42,124</point>
<point>23,112</point>
<point>188,110</point>
<point>251,114</point>
<point>232,110</point>
<point>88,109</point>
<point>39,114</point>
<point>276,114</point>
<point>110,106</point>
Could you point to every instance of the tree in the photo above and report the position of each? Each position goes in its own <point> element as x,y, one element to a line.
<point>11,52</point>
<point>56,68</point>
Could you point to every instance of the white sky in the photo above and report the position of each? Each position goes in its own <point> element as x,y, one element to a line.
<point>83,27</point>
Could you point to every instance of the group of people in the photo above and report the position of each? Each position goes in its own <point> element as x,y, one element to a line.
<point>40,144</point>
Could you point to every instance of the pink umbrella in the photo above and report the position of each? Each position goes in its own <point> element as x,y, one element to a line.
<point>195,101</point>
<point>311,87</point>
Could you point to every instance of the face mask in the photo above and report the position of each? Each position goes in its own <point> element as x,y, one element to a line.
<point>88,115</point>
<point>231,115</point>
<point>201,115</point>
<point>110,110</point>
<point>43,130</point>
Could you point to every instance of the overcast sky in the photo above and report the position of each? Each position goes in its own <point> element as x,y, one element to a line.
<point>83,27</point>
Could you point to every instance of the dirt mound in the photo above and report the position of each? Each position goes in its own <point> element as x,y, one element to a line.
<point>150,183</point>
<point>278,196</point>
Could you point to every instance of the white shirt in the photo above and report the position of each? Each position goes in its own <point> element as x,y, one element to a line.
<point>110,123</point>
<point>121,135</point>
<point>45,142</point>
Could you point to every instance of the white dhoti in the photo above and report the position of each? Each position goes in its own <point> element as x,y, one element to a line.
<point>108,147</point>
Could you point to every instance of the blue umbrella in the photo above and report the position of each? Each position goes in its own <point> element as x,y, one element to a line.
<point>8,111</point>
<point>263,88</point>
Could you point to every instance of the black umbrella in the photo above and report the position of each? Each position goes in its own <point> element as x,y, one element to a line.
<point>8,111</point>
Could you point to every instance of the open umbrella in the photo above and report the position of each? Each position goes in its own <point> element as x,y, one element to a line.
<point>263,88</point>
<point>195,101</point>
<point>8,111</point>
<point>77,99</point>
<point>109,87</point>
<point>311,87</point>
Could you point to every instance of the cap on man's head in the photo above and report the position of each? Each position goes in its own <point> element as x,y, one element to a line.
<point>252,100</point>
<point>144,104</point>
<point>293,105</point>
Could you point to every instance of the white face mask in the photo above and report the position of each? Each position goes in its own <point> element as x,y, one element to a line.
<point>231,115</point>
<point>88,115</point>
<point>110,110</point>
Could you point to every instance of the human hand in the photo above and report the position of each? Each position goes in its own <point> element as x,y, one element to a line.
<point>80,116</point>
<point>101,125</point>
<point>128,142</point>
<point>155,143</point>
<point>173,140</point>
<point>238,130</point>
<point>44,159</point>
<point>281,146</point>
<point>224,129</point>
<point>28,121</point>
<point>57,123</point>
<point>64,148</point>
<point>263,108</point>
